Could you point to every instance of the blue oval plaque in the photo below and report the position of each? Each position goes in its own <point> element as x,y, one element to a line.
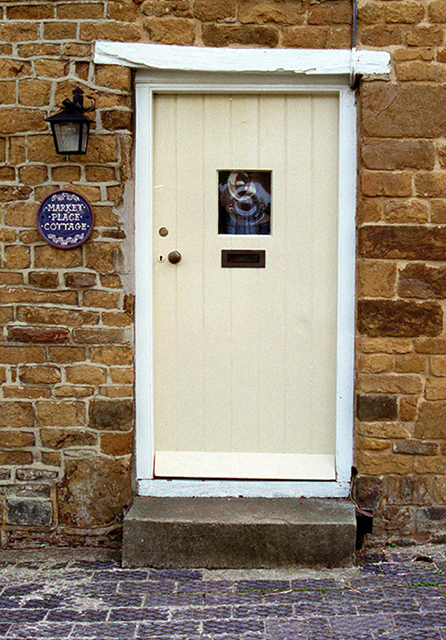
<point>65,219</point>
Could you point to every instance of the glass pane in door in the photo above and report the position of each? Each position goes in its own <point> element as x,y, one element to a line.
<point>244,202</point>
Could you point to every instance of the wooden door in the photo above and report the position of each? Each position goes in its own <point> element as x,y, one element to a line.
<point>245,354</point>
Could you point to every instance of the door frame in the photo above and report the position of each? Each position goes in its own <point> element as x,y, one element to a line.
<point>171,67</point>
<point>147,84</point>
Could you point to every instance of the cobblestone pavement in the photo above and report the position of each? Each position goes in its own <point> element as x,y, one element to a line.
<point>393,594</point>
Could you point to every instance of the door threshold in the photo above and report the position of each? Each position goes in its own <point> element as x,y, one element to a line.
<point>242,488</point>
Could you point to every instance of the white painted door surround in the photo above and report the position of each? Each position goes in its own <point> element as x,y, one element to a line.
<point>171,75</point>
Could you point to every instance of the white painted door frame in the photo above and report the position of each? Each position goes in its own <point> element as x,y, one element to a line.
<point>180,73</point>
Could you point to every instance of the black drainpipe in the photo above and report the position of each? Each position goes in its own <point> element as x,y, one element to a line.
<point>354,78</point>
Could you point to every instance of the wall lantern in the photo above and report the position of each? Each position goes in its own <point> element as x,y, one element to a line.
<point>70,127</point>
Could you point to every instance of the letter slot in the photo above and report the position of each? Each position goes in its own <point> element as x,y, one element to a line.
<point>243,258</point>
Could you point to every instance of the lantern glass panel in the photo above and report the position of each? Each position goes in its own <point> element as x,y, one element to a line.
<point>85,129</point>
<point>67,136</point>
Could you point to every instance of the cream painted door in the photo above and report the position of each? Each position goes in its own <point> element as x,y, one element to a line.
<point>245,358</point>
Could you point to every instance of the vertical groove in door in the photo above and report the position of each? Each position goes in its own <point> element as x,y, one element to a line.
<point>298,270</point>
<point>245,305</point>
<point>271,305</point>
<point>176,236</point>
<point>217,285</point>
<point>312,363</point>
<point>230,278</point>
<point>202,223</point>
<point>326,110</point>
<point>286,275</point>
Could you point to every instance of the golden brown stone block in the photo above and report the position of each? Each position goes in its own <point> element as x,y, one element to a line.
<point>389,383</point>
<point>108,415</point>
<point>402,242</point>
<point>383,429</point>
<point>19,355</point>
<point>117,119</point>
<point>27,11</point>
<point>212,10</point>
<point>16,415</point>
<point>170,30</point>
<point>60,414</point>
<point>86,374</point>
<point>371,444</point>
<point>369,210</point>
<point>421,281</point>
<point>95,491</point>
<point>33,174</point>
<point>122,11</point>
<point>44,315</point>
<point>16,457</point>
<point>408,408</point>
<point>225,35</point>
<point>67,438</point>
<point>34,93</point>
<point>101,335</point>
<point>66,174</point>
<point>425,36</point>
<point>315,37</point>
<point>16,439</point>
<point>383,345</point>
<point>81,10</point>
<point>431,421</point>
<point>59,30</point>
<point>115,355</point>
<point>271,12</point>
<point>113,77</point>
<point>376,363</point>
<point>377,279</point>
<point>420,71</point>
<point>378,464</point>
<point>116,319</point>
<point>407,111</point>
<point>371,12</point>
<point>404,12</point>
<point>398,154</point>
<point>399,318</point>
<point>17,257</point>
<point>116,444</point>
<point>122,376</point>
<point>380,35</point>
<point>411,363</point>
<point>386,183</point>
<point>437,11</point>
<point>404,211</point>
<point>38,334</point>
<point>39,375</point>
<point>66,354</point>
<point>48,257</point>
<point>435,389</point>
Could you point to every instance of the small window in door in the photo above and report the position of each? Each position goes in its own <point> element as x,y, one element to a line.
<point>244,202</point>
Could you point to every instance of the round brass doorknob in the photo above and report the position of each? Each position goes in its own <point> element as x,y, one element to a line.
<point>174,257</point>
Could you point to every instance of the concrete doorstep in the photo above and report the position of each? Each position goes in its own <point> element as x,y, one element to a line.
<point>239,533</point>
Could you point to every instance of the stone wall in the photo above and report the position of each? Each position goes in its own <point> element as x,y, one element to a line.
<point>401,346</point>
<point>66,351</point>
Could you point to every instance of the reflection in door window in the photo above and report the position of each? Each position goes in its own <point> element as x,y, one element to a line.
<point>244,204</point>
